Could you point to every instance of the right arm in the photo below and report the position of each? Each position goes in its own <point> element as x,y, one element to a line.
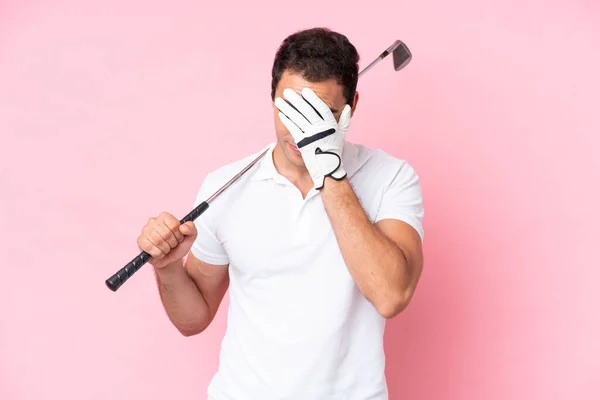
<point>190,292</point>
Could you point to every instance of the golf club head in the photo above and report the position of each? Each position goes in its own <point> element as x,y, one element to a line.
<point>401,55</point>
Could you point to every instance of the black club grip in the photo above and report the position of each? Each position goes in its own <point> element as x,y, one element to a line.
<point>118,279</point>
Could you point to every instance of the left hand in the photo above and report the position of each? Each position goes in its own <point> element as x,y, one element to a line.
<point>319,137</point>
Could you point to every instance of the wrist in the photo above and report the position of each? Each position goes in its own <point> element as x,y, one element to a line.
<point>170,269</point>
<point>335,186</point>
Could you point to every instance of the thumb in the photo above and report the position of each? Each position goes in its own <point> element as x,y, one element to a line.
<point>188,229</point>
<point>344,122</point>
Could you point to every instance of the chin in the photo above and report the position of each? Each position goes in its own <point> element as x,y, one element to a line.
<point>295,158</point>
<point>292,157</point>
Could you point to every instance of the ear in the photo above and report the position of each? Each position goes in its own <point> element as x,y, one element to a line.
<point>354,103</point>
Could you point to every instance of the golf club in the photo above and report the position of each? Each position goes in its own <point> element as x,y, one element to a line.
<point>401,56</point>
<point>400,53</point>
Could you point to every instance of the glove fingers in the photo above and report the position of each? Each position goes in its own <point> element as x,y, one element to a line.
<point>319,105</point>
<point>344,122</point>
<point>292,114</point>
<point>292,127</point>
<point>302,106</point>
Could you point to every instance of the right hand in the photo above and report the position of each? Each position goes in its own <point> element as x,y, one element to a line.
<point>166,240</point>
<point>319,136</point>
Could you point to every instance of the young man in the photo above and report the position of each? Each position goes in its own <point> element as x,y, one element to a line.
<point>318,244</point>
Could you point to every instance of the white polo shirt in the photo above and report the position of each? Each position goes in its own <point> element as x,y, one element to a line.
<point>297,325</point>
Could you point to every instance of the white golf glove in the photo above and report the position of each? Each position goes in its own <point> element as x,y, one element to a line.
<point>319,137</point>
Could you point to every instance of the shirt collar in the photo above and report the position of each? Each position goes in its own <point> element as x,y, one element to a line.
<point>266,167</point>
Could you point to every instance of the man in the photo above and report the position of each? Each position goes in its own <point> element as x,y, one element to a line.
<point>318,244</point>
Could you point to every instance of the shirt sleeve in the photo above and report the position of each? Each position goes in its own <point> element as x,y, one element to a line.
<point>402,199</point>
<point>207,247</point>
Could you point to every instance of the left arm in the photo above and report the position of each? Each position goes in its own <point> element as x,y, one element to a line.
<point>385,259</point>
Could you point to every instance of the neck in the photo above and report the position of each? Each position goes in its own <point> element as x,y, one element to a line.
<point>296,174</point>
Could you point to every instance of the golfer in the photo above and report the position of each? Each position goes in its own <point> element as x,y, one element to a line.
<point>318,244</point>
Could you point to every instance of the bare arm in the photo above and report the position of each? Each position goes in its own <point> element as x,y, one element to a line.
<point>212,281</point>
<point>384,259</point>
<point>191,293</point>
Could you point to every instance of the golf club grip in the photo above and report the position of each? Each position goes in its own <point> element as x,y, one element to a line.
<point>118,279</point>
<point>115,281</point>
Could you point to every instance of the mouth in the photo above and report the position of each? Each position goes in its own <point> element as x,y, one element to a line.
<point>294,148</point>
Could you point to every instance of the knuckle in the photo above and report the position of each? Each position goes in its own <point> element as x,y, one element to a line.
<point>157,255</point>
<point>169,235</point>
<point>165,237</point>
<point>172,222</point>
<point>142,243</point>
<point>148,248</point>
<point>155,237</point>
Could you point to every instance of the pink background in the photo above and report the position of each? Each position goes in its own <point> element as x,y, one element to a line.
<point>112,111</point>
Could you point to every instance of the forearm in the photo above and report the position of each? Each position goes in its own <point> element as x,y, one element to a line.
<point>377,265</point>
<point>181,298</point>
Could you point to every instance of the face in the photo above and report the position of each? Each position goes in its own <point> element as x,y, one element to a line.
<point>329,91</point>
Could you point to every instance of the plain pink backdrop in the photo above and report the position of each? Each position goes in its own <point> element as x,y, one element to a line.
<point>113,111</point>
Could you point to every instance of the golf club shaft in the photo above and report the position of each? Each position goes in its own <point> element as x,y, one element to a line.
<point>368,67</point>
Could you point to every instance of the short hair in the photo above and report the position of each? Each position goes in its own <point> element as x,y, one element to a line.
<point>318,54</point>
